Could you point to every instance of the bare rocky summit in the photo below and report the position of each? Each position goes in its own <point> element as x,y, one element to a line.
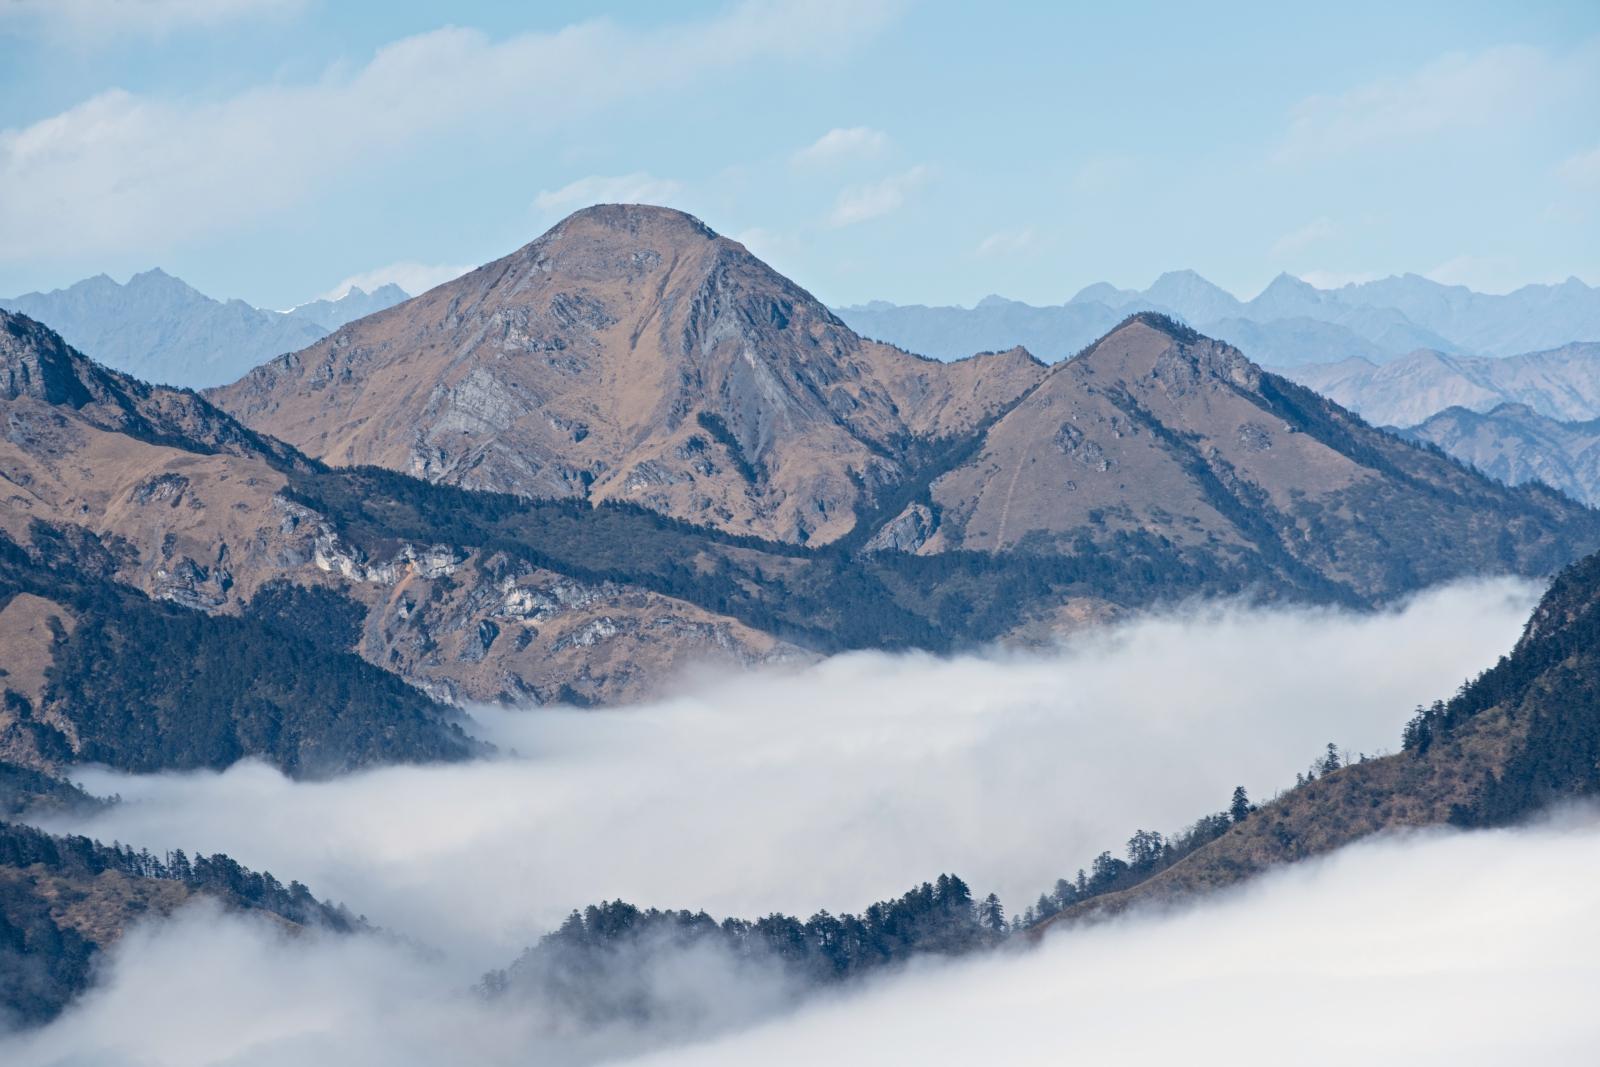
<point>630,354</point>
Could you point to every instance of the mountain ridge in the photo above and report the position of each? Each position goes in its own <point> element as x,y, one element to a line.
<point>162,330</point>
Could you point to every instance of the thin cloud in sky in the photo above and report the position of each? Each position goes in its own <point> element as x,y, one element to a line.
<point>1460,91</point>
<point>123,171</point>
<point>639,187</point>
<point>855,142</point>
<point>98,20</point>
<point>1298,240</point>
<point>874,200</point>
<point>1483,273</point>
<point>1008,242</point>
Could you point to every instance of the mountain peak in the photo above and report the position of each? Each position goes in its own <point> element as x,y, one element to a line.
<point>35,362</point>
<point>632,219</point>
<point>1191,296</point>
<point>1177,331</point>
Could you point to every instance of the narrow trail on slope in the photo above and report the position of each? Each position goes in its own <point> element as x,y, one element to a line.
<point>1005,509</point>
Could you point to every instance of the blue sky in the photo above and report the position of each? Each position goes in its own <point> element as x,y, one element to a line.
<point>917,152</point>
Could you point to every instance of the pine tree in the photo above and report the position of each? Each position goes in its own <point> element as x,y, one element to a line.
<point>1241,807</point>
<point>1331,761</point>
<point>991,915</point>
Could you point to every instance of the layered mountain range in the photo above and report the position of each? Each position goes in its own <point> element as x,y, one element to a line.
<point>1289,323</point>
<point>160,329</point>
<point>1519,419</point>
<point>628,447</point>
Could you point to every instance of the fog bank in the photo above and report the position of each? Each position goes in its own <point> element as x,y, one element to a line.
<point>838,784</point>
<point>1444,948</point>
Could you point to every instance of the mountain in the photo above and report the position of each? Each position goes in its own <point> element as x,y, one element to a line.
<point>1523,736</point>
<point>1191,297</point>
<point>1533,317</point>
<point>1159,430</point>
<point>630,354</point>
<point>1288,342</point>
<point>951,333</point>
<point>1289,323</point>
<point>631,379</point>
<point>162,493</point>
<point>1515,444</point>
<point>65,900</point>
<point>1562,383</point>
<point>356,303</point>
<point>159,329</point>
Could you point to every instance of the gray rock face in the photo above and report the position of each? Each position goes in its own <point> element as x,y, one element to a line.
<point>907,532</point>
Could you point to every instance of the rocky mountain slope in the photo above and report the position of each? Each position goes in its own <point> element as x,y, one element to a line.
<point>1158,429</point>
<point>1515,444</point>
<point>191,508</point>
<point>1523,736</point>
<point>630,354</point>
<point>1562,383</point>
<point>160,329</point>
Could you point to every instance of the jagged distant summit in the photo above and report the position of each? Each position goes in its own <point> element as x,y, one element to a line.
<point>1289,323</point>
<point>161,329</point>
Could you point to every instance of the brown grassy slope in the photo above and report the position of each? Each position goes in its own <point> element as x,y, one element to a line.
<point>630,353</point>
<point>188,503</point>
<point>1157,428</point>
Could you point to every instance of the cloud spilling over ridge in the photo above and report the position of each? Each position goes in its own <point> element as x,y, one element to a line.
<point>1441,948</point>
<point>838,784</point>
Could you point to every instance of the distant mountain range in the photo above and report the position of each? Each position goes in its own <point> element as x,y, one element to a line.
<point>161,329</point>
<point>1289,323</point>
<point>1517,445</point>
<point>1519,419</point>
<point>1562,383</point>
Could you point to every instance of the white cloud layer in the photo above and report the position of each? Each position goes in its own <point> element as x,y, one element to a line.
<point>1498,87</point>
<point>639,187</point>
<point>1441,948</point>
<point>122,171</point>
<point>837,784</point>
<point>861,203</point>
<point>415,278</point>
<point>841,783</point>
<point>1456,949</point>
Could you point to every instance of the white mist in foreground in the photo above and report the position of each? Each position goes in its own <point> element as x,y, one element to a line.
<point>839,784</point>
<point>1441,948</point>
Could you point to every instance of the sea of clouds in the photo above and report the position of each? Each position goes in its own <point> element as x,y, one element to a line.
<point>830,786</point>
